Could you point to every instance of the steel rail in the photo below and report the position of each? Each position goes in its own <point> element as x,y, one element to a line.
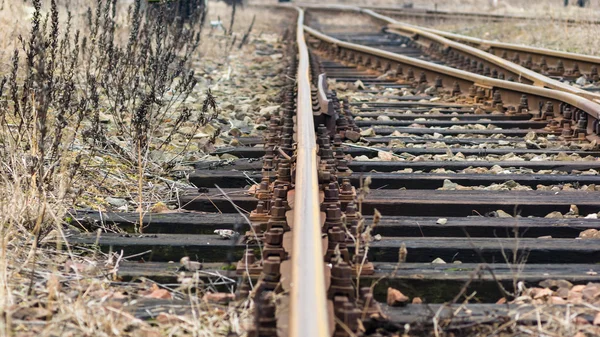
<point>473,15</point>
<point>581,59</point>
<point>425,38</point>
<point>537,79</point>
<point>308,301</point>
<point>508,89</point>
<point>585,62</point>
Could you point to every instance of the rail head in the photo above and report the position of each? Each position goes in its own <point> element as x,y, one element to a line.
<point>475,15</point>
<point>563,55</point>
<point>590,107</point>
<point>372,11</point>
<point>536,78</point>
<point>424,34</point>
<point>308,300</point>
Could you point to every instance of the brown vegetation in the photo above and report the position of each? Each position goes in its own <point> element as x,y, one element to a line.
<point>98,103</point>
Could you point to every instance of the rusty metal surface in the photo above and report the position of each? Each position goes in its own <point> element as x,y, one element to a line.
<point>510,46</point>
<point>586,105</point>
<point>583,61</point>
<point>308,305</point>
<point>421,34</point>
<point>426,37</point>
<point>412,12</point>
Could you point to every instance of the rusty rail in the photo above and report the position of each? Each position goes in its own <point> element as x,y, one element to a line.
<point>308,303</point>
<point>427,37</point>
<point>509,90</point>
<point>424,36</point>
<point>422,12</point>
<point>585,62</point>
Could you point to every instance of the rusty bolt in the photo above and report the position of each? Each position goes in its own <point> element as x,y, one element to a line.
<point>560,67</point>
<point>472,91</point>
<point>274,237</point>
<point>497,98</point>
<point>332,193</point>
<point>271,266</point>
<point>341,281</point>
<point>543,63</point>
<point>278,210</point>
<point>486,71</point>
<point>456,89</point>
<point>410,74</point>
<point>260,207</point>
<point>346,189</point>
<point>524,104</point>
<point>548,111</point>
<point>594,73</point>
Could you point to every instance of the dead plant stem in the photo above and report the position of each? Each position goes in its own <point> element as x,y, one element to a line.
<point>140,187</point>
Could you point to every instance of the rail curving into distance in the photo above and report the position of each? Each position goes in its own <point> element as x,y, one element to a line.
<point>308,303</point>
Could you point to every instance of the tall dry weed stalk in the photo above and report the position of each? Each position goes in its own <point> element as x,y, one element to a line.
<point>65,82</point>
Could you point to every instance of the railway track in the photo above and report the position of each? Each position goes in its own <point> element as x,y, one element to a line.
<point>534,66</point>
<point>562,66</point>
<point>385,169</point>
<point>440,15</point>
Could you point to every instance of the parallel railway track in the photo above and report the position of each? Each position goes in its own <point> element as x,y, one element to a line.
<point>456,188</point>
<point>556,64</point>
<point>534,66</point>
<point>438,15</point>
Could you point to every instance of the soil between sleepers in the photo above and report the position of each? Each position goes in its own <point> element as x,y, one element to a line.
<point>258,152</point>
<point>253,164</point>
<point>434,283</point>
<point>210,248</point>
<point>425,202</point>
<point>415,226</point>
<point>232,179</point>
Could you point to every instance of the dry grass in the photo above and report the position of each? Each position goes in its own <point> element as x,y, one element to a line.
<point>49,288</point>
